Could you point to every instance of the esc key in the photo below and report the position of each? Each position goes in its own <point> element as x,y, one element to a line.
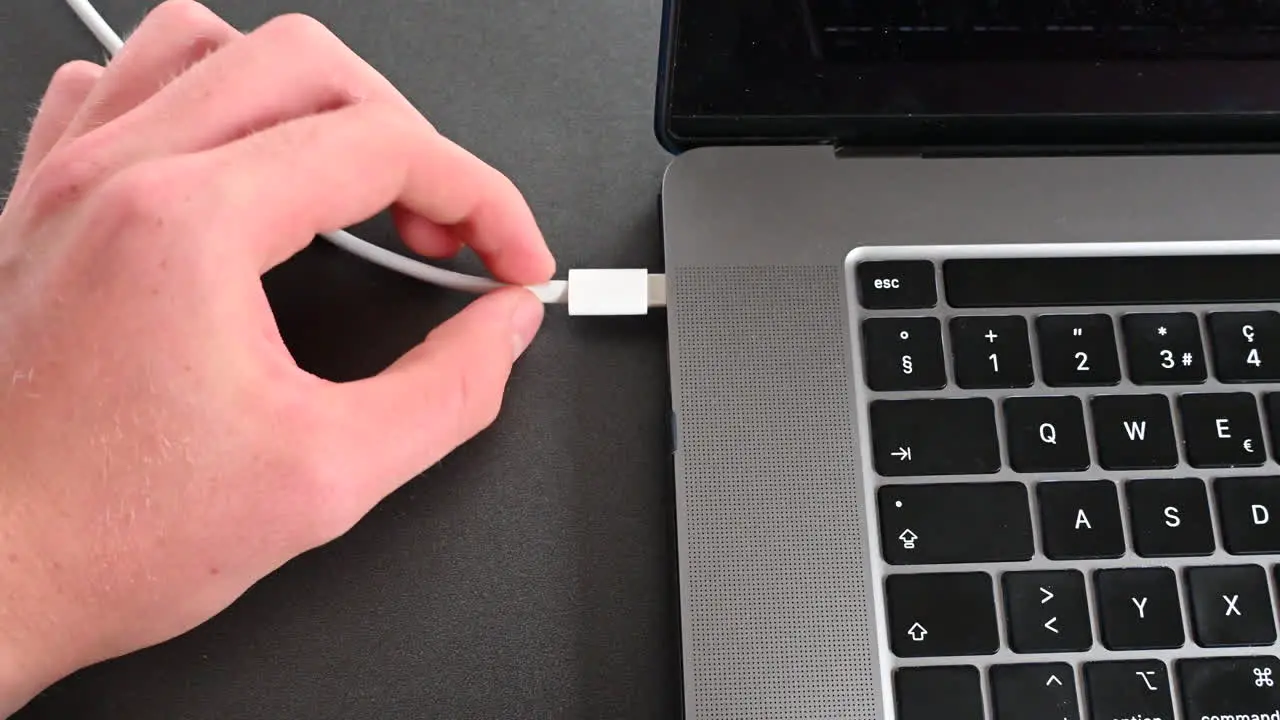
<point>897,285</point>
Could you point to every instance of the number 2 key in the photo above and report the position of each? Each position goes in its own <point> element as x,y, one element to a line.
<point>1078,350</point>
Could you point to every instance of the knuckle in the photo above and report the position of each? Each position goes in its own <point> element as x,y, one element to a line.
<point>300,29</point>
<point>143,194</point>
<point>74,74</point>
<point>472,401</point>
<point>65,175</point>
<point>318,489</point>
<point>181,14</point>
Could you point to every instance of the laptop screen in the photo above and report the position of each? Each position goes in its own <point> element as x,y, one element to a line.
<point>886,71</point>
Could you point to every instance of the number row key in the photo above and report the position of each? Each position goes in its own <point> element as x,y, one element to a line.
<point>906,353</point>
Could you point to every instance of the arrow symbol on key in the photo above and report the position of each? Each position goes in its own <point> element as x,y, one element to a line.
<point>1047,595</point>
<point>903,454</point>
<point>917,632</point>
<point>1049,625</point>
<point>1053,679</point>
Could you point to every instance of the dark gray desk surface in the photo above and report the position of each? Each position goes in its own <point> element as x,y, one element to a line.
<point>529,575</point>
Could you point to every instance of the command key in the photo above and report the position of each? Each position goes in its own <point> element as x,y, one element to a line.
<point>1231,687</point>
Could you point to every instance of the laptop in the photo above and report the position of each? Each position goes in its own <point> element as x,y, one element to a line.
<point>974,316</point>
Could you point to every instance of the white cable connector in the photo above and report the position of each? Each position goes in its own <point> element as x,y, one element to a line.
<point>586,292</point>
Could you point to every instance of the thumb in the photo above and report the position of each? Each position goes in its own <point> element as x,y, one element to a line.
<point>437,396</point>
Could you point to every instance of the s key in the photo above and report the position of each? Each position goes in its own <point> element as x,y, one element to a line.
<point>904,354</point>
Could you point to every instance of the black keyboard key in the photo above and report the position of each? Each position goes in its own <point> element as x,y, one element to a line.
<point>1246,345</point>
<point>991,352</point>
<point>922,625</point>
<point>896,284</point>
<point>1134,432</point>
<point>1080,520</point>
<point>1231,606</point>
<point>934,437</point>
<point>1128,690</point>
<point>1164,348</point>
<point>1229,688</point>
<point>1040,691</point>
<point>929,693</point>
<point>937,524</point>
<point>1078,350</point>
<point>1110,280</point>
<point>1249,514</point>
<point>1046,434</point>
<point>1271,405</point>
<point>1169,517</point>
<point>904,354</point>
<point>1138,608</point>
<point>1222,430</point>
<point>1047,611</point>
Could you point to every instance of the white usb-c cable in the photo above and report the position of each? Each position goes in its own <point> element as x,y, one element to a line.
<point>615,291</point>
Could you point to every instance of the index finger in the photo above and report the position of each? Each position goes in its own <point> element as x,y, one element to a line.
<point>327,171</point>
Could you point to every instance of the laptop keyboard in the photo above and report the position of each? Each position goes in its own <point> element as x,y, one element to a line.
<point>1075,496</point>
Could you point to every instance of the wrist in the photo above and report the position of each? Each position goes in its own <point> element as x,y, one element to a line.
<point>30,644</point>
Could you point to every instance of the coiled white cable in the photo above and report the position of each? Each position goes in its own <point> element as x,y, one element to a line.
<point>587,292</point>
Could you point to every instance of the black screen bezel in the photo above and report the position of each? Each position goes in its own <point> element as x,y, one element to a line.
<point>1088,106</point>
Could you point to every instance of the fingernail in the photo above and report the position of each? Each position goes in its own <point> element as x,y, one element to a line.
<point>525,321</point>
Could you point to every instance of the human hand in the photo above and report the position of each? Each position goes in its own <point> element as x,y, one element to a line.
<point>160,450</point>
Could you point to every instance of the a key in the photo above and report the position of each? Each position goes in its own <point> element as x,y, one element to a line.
<point>1249,514</point>
<point>1134,432</point>
<point>1231,606</point>
<point>896,284</point>
<point>922,626</point>
<point>929,693</point>
<point>1164,348</point>
<point>1080,519</point>
<point>934,437</point>
<point>1078,350</point>
<point>1040,691</point>
<point>1246,345</point>
<point>1138,608</point>
<point>1047,611</point>
<point>937,524</point>
<point>904,354</point>
<point>1169,517</point>
<point>1222,430</point>
<point>1229,687</point>
<point>1128,690</point>
<point>1046,434</point>
<point>991,352</point>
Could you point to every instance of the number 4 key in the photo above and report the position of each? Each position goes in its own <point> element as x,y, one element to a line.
<point>1246,345</point>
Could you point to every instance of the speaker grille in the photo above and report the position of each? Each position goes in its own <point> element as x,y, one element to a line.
<point>775,592</point>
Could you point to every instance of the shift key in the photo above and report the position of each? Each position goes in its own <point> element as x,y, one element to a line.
<point>955,523</point>
<point>934,437</point>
